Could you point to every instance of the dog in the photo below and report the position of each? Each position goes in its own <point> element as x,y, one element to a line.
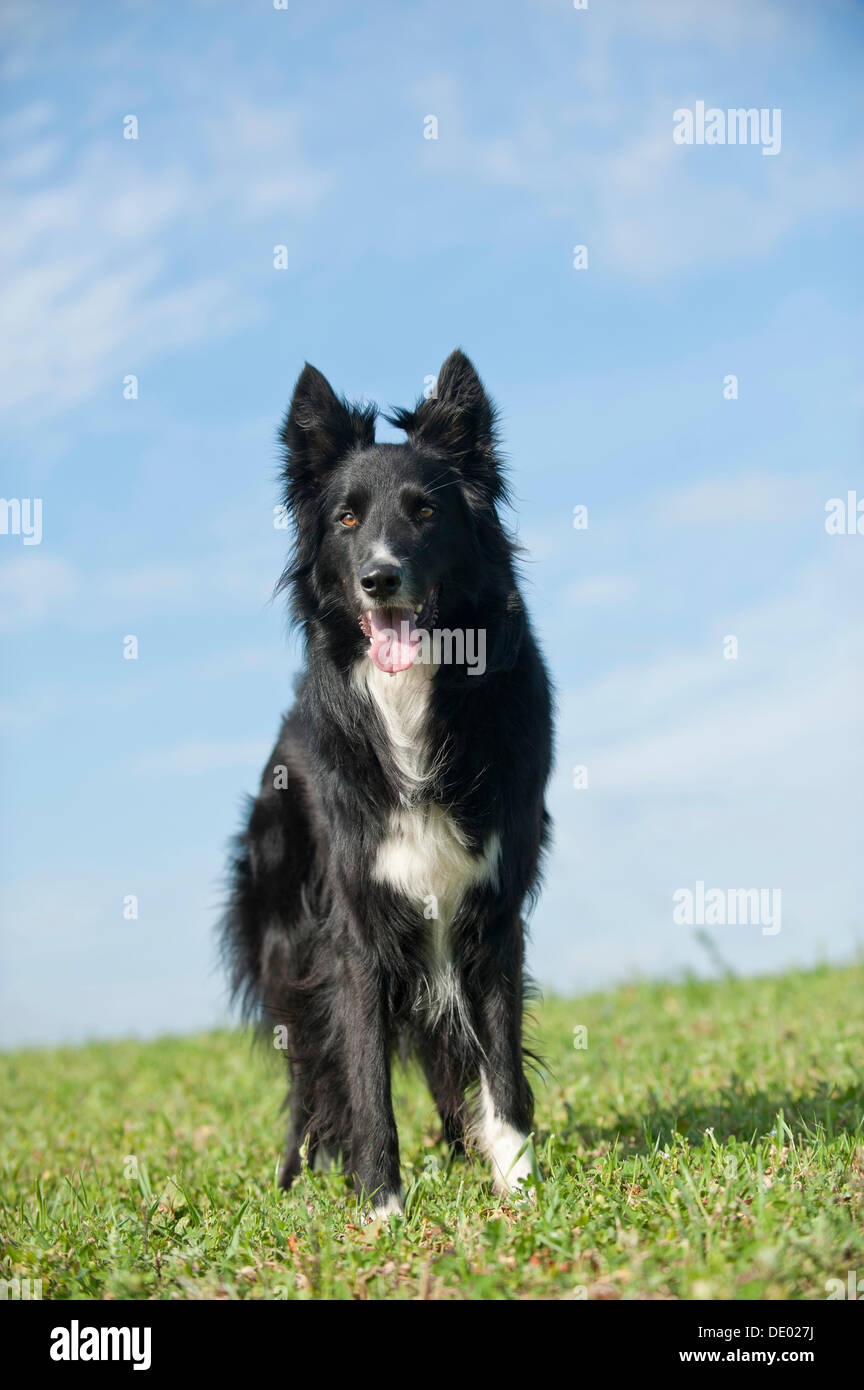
<point>377,891</point>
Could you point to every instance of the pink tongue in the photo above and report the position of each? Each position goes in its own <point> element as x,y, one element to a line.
<point>395,639</point>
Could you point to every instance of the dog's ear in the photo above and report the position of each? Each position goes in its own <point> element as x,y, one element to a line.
<point>318,430</point>
<point>459,419</point>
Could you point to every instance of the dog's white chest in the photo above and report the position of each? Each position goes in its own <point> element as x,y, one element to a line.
<point>424,857</point>
<point>402,702</point>
<point>423,854</point>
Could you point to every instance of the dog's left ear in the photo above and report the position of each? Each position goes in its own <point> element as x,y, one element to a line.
<point>319,429</point>
<point>461,420</point>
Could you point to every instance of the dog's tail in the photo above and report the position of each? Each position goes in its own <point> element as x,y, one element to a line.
<point>241,931</point>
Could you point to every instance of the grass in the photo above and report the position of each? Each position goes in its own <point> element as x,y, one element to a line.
<point>707,1143</point>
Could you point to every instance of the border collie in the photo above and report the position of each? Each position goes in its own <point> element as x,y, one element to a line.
<point>378,888</point>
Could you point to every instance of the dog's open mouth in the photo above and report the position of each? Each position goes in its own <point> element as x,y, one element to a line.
<point>394,633</point>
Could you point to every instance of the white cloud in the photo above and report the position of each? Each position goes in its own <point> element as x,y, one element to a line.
<point>645,206</point>
<point>202,756</point>
<point>258,164</point>
<point>599,589</point>
<point>735,24</point>
<point>96,263</point>
<point>750,497</point>
<point>38,587</point>
<point>742,773</point>
<point>33,585</point>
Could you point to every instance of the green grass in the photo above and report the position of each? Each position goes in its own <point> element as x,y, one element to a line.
<point>707,1144</point>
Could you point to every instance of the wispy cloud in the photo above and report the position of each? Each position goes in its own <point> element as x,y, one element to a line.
<point>97,238</point>
<point>604,161</point>
<point>35,585</point>
<point>204,756</point>
<point>600,589</point>
<point>39,587</point>
<point>747,770</point>
<point>750,497</point>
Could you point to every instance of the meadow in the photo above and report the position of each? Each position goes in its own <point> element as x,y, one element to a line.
<point>699,1140</point>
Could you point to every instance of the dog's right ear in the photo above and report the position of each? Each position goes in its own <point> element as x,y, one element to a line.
<point>318,430</point>
<point>459,419</point>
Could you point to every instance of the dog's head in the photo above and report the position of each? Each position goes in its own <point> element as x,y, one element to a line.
<point>391,539</point>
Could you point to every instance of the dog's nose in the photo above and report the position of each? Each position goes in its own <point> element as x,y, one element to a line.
<point>380,579</point>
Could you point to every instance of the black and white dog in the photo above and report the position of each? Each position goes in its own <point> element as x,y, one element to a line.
<point>378,888</point>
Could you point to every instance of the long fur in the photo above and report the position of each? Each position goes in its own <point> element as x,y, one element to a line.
<point>379,884</point>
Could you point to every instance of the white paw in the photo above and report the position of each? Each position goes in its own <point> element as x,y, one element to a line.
<point>508,1150</point>
<point>389,1206</point>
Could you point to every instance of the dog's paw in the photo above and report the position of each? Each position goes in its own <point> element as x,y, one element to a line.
<point>388,1206</point>
<point>521,1193</point>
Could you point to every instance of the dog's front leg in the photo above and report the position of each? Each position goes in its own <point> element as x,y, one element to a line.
<point>505,1103</point>
<point>374,1143</point>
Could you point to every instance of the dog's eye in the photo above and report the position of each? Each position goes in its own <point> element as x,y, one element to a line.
<point>425,511</point>
<point>348,519</point>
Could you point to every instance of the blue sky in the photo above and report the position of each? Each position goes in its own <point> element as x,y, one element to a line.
<point>304,128</point>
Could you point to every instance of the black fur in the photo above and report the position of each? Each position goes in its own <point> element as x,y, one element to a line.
<point>315,941</point>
